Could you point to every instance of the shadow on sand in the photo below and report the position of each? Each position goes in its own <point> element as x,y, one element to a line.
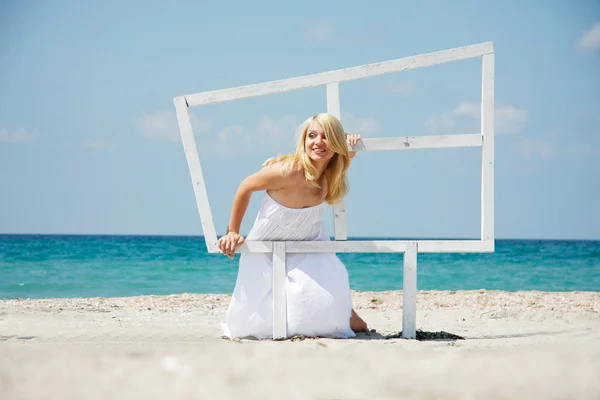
<point>374,335</point>
<point>420,336</point>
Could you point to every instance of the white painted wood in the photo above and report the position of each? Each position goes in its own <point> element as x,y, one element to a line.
<point>369,246</point>
<point>333,99</point>
<point>420,142</point>
<point>410,248</point>
<point>487,152</point>
<point>340,230</point>
<point>339,221</point>
<point>254,246</point>
<point>341,75</point>
<point>347,246</point>
<point>388,246</point>
<point>193,161</point>
<point>409,293</point>
<point>279,291</point>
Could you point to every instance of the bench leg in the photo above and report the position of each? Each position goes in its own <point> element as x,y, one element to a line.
<point>279,292</point>
<point>409,297</point>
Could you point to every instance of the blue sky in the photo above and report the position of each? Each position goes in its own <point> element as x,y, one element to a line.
<point>89,141</point>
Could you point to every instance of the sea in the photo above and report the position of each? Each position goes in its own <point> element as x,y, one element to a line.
<point>67,266</point>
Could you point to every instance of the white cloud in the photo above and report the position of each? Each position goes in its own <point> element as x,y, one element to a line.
<point>510,119</point>
<point>269,135</point>
<point>590,40</point>
<point>19,136</point>
<point>280,129</point>
<point>542,148</point>
<point>361,125</point>
<point>162,125</point>
<point>319,31</point>
<point>465,118</point>
<point>229,142</point>
<point>552,147</point>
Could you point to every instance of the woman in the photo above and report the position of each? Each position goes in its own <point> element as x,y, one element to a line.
<point>297,188</point>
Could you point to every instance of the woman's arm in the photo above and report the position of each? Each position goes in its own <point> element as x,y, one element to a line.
<point>268,178</point>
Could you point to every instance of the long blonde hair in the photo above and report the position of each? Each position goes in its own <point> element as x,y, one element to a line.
<point>335,172</point>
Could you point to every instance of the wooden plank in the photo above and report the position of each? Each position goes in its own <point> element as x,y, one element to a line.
<point>346,246</point>
<point>420,142</point>
<point>340,231</point>
<point>255,246</point>
<point>333,99</point>
<point>409,292</point>
<point>369,246</point>
<point>388,246</point>
<point>279,291</point>
<point>487,151</point>
<point>193,161</point>
<point>341,75</point>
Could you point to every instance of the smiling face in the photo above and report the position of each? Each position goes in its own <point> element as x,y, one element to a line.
<point>315,143</point>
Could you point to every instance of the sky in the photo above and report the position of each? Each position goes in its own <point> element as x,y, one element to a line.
<point>89,142</point>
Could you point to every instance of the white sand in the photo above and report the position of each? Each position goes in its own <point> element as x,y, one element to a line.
<point>525,345</point>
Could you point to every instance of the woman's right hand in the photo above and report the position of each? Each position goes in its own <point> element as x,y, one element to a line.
<point>228,243</point>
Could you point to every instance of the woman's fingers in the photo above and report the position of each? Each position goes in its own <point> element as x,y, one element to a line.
<point>229,243</point>
<point>353,139</point>
<point>221,244</point>
<point>225,245</point>
<point>229,246</point>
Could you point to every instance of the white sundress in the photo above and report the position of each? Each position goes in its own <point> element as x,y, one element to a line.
<point>318,292</point>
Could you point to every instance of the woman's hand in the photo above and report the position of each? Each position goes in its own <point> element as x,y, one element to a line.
<point>228,243</point>
<point>352,139</point>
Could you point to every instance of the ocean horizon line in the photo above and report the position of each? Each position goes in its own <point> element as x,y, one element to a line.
<point>351,238</point>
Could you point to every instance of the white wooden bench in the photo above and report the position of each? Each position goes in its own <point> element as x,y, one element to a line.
<point>410,248</point>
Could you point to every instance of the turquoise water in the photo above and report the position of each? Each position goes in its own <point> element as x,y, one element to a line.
<point>45,266</point>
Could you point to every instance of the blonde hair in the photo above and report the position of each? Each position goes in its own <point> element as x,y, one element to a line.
<point>335,172</point>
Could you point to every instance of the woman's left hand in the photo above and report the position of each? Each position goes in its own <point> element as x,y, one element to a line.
<point>352,139</point>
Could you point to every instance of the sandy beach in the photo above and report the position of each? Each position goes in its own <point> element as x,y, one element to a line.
<point>522,345</point>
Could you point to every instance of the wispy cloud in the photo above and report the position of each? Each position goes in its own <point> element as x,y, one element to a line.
<point>465,118</point>
<point>271,134</point>
<point>268,136</point>
<point>360,125</point>
<point>319,32</point>
<point>590,40</point>
<point>550,147</point>
<point>278,129</point>
<point>542,148</point>
<point>19,136</point>
<point>162,125</point>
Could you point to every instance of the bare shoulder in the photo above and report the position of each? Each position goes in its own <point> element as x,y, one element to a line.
<point>270,177</point>
<point>274,169</point>
<point>296,172</point>
<point>291,174</point>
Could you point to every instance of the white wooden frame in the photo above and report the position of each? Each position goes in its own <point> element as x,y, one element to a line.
<point>410,248</point>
